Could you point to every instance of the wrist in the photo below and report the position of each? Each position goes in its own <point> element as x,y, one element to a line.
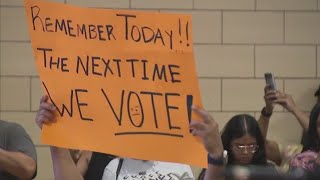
<point>266,112</point>
<point>216,153</point>
<point>218,160</point>
<point>269,109</point>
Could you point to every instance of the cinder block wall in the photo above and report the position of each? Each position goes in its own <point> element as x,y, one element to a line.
<point>235,42</point>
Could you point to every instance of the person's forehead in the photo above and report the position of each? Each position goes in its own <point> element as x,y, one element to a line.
<point>245,139</point>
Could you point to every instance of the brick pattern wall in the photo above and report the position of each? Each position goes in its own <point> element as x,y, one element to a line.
<point>236,41</point>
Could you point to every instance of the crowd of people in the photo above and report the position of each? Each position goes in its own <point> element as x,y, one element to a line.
<point>240,150</point>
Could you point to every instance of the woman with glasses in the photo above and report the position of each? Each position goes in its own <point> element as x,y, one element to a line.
<point>241,144</point>
<point>242,138</point>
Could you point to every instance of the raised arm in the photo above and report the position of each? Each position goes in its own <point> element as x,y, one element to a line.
<point>287,102</point>
<point>63,165</point>
<point>208,131</point>
<point>267,110</point>
<point>272,148</point>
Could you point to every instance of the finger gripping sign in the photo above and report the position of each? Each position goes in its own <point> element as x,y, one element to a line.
<point>122,81</point>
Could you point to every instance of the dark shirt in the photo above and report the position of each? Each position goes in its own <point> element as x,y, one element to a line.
<point>96,165</point>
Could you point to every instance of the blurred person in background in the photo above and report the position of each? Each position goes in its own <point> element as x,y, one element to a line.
<point>18,158</point>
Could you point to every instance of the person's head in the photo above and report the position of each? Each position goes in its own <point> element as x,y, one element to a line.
<point>304,135</point>
<point>312,141</point>
<point>243,140</point>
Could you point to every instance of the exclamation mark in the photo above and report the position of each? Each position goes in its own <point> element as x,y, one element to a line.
<point>189,105</point>
<point>180,30</point>
<point>187,33</point>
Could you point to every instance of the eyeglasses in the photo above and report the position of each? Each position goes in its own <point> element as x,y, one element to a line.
<point>249,148</point>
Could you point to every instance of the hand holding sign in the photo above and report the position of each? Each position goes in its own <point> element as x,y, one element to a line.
<point>45,113</point>
<point>208,131</point>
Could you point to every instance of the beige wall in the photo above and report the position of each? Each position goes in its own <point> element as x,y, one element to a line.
<point>236,41</point>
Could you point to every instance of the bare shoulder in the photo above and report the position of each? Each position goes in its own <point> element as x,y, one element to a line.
<point>86,155</point>
<point>272,144</point>
<point>83,162</point>
<point>273,151</point>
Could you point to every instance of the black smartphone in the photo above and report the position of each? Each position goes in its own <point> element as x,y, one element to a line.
<point>270,81</point>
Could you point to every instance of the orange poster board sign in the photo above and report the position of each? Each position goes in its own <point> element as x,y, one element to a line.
<point>122,81</point>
